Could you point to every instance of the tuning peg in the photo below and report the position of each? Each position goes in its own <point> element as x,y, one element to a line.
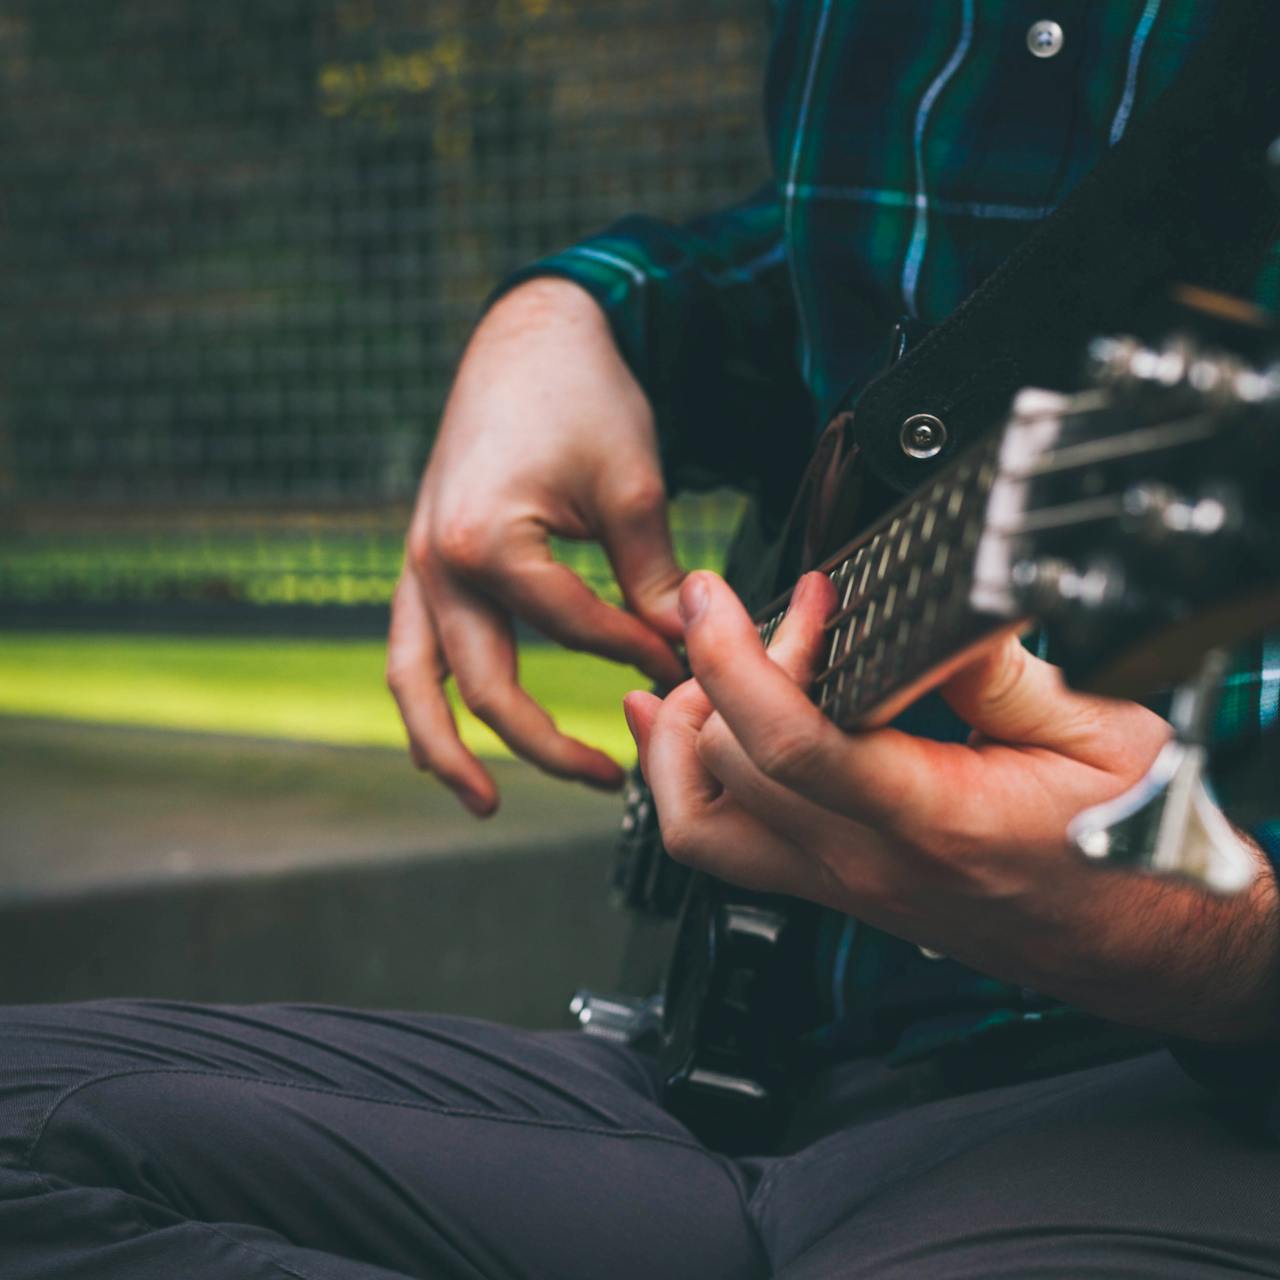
<point>1157,511</point>
<point>1180,364</point>
<point>1048,583</point>
<point>1169,825</point>
<point>1123,359</point>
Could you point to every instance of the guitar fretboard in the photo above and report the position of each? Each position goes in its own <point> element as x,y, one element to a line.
<point>903,593</point>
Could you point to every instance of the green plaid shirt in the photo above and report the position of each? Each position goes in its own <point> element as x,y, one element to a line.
<point>914,143</point>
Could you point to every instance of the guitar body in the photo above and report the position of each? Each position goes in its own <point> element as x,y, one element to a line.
<point>739,996</point>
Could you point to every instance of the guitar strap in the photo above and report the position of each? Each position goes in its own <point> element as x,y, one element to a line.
<point>1183,197</point>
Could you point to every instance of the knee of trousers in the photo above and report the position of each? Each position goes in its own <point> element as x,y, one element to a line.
<point>116,1131</point>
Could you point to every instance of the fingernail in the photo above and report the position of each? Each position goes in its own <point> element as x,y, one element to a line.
<point>802,589</point>
<point>630,719</point>
<point>693,600</point>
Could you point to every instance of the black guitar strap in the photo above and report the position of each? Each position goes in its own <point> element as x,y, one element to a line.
<point>1183,196</point>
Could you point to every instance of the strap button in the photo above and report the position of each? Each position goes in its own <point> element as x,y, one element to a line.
<point>923,436</point>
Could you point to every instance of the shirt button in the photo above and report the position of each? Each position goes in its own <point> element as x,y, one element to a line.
<point>1044,39</point>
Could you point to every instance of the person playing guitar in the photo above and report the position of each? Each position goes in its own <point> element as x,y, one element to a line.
<point>973,189</point>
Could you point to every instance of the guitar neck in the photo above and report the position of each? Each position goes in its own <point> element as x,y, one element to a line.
<point>903,615</point>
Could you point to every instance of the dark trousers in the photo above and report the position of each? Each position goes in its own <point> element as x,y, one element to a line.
<point>165,1141</point>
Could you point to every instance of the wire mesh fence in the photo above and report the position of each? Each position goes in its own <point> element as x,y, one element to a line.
<point>241,246</point>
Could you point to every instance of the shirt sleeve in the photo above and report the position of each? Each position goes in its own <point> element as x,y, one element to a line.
<point>704,315</point>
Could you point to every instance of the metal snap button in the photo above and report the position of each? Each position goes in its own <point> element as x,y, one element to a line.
<point>1045,39</point>
<point>923,436</point>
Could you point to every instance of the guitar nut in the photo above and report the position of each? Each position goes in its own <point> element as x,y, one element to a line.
<point>923,436</point>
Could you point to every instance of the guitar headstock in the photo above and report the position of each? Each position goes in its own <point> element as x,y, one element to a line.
<point>1140,518</point>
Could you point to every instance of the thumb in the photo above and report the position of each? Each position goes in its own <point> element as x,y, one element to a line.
<point>636,534</point>
<point>1009,695</point>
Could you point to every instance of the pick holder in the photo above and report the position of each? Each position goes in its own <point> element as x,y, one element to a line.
<point>1168,824</point>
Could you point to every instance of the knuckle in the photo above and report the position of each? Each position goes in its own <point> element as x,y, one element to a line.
<point>1008,674</point>
<point>417,549</point>
<point>943,830</point>
<point>463,544</point>
<point>789,757</point>
<point>713,741</point>
<point>640,498</point>
<point>483,703</point>
<point>398,669</point>
<point>404,661</point>
<point>945,844</point>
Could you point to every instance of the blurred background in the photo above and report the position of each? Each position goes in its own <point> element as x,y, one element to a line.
<point>241,246</point>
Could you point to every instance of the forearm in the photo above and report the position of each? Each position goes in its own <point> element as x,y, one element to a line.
<point>1168,957</point>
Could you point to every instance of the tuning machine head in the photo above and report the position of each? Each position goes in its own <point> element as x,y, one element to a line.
<point>1180,366</point>
<point>1161,515</point>
<point>1137,518</point>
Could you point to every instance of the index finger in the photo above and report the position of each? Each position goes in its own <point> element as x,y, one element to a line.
<point>874,776</point>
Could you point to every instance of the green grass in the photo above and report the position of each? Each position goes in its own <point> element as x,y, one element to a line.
<point>293,560</point>
<point>308,690</point>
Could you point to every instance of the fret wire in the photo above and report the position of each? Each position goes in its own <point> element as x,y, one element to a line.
<point>847,594</point>
<point>853,661</point>
<point>893,590</point>
<point>835,648</point>
<point>885,556</point>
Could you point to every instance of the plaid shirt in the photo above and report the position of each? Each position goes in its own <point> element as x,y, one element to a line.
<point>914,144</point>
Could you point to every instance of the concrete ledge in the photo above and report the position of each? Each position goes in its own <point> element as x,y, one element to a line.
<point>261,902</point>
<point>498,934</point>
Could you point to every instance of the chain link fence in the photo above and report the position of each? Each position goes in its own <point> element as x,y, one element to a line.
<point>241,245</point>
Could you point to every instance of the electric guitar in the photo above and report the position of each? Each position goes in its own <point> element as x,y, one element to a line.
<point>1138,521</point>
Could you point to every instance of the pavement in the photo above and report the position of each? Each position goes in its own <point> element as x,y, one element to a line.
<point>141,862</point>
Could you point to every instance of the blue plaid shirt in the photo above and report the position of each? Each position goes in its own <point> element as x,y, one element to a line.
<point>914,144</point>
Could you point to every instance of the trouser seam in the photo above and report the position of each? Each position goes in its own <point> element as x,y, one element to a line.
<point>353,1096</point>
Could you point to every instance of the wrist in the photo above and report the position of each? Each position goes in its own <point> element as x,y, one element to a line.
<point>542,300</point>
